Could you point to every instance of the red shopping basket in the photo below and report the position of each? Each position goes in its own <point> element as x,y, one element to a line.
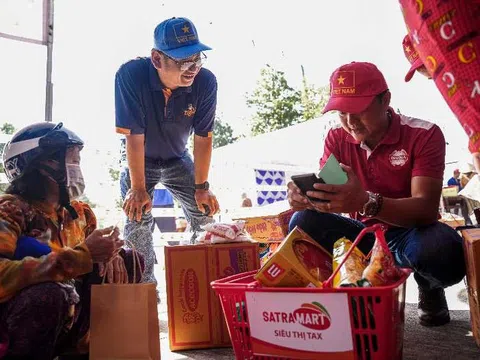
<point>376,315</point>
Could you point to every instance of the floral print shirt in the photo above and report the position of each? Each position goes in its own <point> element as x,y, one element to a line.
<point>69,258</point>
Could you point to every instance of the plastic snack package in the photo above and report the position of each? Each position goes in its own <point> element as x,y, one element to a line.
<point>352,271</point>
<point>382,269</point>
<point>227,231</point>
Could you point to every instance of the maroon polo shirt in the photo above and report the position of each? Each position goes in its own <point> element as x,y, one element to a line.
<point>411,147</point>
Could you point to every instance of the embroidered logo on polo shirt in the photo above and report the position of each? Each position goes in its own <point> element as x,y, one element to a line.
<point>398,157</point>
<point>190,111</point>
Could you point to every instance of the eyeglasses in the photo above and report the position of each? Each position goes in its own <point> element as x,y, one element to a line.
<point>185,65</point>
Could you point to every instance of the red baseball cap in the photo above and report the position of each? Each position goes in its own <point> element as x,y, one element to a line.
<point>412,56</point>
<point>354,86</point>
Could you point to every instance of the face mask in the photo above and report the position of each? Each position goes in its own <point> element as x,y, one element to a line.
<point>75,182</point>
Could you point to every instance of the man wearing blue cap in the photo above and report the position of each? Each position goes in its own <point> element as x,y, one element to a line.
<point>159,102</point>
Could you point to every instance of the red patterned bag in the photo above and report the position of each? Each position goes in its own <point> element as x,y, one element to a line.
<point>446,34</point>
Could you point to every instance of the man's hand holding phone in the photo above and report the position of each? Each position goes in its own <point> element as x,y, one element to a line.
<point>345,198</point>
<point>299,189</point>
<point>306,182</point>
<point>325,192</point>
<point>297,200</point>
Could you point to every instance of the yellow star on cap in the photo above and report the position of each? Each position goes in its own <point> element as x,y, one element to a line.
<point>341,80</point>
<point>185,29</point>
<point>407,49</point>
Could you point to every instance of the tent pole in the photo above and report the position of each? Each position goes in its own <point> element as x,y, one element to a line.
<point>48,37</point>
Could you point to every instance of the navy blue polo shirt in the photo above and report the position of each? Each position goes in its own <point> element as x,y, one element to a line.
<point>140,108</point>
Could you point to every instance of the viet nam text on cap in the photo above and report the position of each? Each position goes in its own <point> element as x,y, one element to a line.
<point>178,38</point>
<point>354,86</point>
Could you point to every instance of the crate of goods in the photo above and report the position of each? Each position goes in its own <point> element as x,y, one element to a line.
<point>194,312</point>
<point>326,322</point>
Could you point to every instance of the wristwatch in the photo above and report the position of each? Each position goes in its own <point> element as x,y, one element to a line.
<point>372,206</point>
<point>202,186</point>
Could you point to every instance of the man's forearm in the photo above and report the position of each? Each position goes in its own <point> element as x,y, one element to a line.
<point>202,154</point>
<point>407,213</point>
<point>136,160</point>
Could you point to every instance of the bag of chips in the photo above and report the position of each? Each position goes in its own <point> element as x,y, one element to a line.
<point>352,270</point>
<point>382,269</point>
<point>227,231</point>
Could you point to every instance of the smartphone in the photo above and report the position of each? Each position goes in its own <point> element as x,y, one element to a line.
<point>305,183</point>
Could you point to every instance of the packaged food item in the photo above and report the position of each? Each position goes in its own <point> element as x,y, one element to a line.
<point>363,283</point>
<point>227,231</point>
<point>382,270</point>
<point>268,228</point>
<point>220,233</point>
<point>215,239</point>
<point>352,270</point>
<point>211,238</point>
<point>299,261</point>
<point>307,253</point>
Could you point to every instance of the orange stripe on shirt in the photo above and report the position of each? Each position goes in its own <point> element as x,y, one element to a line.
<point>123,131</point>
<point>167,93</point>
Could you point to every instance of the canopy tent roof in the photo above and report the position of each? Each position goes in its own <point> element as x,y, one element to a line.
<point>261,166</point>
<point>296,147</point>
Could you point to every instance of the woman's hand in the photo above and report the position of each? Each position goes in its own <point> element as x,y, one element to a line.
<point>104,244</point>
<point>115,270</point>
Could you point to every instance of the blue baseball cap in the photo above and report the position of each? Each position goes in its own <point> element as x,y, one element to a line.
<point>178,38</point>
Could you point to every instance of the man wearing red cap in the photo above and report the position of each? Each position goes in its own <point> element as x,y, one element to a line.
<point>412,56</point>
<point>395,168</point>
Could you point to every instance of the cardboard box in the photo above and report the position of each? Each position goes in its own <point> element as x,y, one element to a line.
<point>271,228</point>
<point>298,262</point>
<point>452,220</point>
<point>471,245</point>
<point>195,317</point>
<point>450,191</point>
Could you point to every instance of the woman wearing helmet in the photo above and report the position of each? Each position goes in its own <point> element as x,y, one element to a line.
<point>49,245</point>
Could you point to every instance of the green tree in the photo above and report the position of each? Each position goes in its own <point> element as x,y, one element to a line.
<point>313,99</point>
<point>277,104</point>
<point>114,174</point>
<point>7,128</point>
<point>222,134</point>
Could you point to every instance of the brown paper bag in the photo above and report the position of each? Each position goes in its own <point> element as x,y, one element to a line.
<point>124,322</point>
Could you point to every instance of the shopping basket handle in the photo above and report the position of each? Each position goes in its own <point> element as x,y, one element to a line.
<point>378,230</point>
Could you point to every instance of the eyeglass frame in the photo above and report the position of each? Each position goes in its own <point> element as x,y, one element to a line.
<point>185,65</point>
